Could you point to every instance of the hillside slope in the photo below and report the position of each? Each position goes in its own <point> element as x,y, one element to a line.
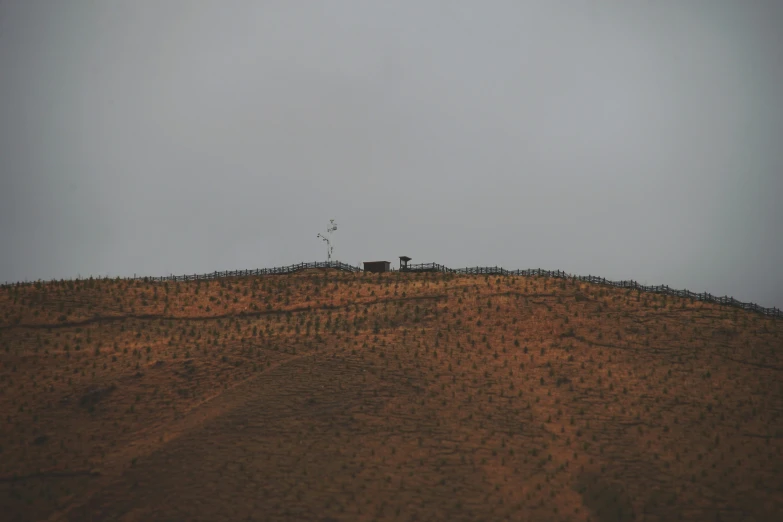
<point>333,396</point>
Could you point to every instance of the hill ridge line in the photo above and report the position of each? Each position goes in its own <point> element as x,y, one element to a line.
<point>436,267</point>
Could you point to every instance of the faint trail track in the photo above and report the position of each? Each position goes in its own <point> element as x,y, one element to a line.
<point>152,440</point>
<point>266,451</point>
<point>259,313</point>
<point>53,473</point>
<point>750,363</point>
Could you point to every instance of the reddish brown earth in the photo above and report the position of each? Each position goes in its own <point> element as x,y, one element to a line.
<point>333,396</point>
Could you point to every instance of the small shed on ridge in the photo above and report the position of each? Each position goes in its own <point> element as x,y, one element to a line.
<point>376,266</point>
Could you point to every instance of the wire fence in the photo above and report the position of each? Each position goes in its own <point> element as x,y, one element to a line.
<point>298,267</point>
<point>537,272</point>
<point>290,269</point>
<point>435,267</point>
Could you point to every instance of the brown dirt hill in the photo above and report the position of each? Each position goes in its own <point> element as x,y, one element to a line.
<point>335,396</point>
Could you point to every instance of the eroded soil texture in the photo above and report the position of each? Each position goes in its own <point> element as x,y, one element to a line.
<point>334,396</point>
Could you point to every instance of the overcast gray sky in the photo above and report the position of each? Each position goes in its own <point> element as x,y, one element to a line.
<point>639,140</point>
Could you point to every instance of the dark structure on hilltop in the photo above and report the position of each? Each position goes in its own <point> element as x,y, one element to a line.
<point>404,263</point>
<point>376,266</point>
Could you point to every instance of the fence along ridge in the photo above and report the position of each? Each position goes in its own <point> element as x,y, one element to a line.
<point>436,267</point>
<point>298,267</point>
<point>559,274</point>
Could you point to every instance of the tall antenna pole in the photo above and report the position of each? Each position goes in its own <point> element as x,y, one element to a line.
<point>328,239</point>
<point>331,228</point>
<point>328,246</point>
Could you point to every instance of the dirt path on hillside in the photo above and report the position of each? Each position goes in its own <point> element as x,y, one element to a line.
<point>154,439</point>
<point>301,442</point>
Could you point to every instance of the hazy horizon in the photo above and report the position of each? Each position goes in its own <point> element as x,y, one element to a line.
<point>630,141</point>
